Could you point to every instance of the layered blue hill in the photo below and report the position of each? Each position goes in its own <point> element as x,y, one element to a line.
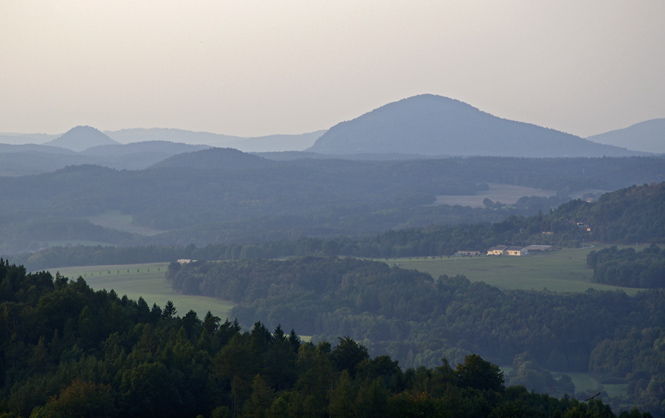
<point>436,125</point>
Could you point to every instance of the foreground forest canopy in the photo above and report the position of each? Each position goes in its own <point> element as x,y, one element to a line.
<point>67,351</point>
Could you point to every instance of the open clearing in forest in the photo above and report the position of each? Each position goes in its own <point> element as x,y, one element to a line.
<point>558,271</point>
<point>504,193</point>
<point>113,219</point>
<point>507,194</point>
<point>147,281</point>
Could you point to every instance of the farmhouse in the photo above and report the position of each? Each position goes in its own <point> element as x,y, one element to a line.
<point>515,251</point>
<point>498,250</point>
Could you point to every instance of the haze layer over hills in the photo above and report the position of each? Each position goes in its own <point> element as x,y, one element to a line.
<point>425,126</point>
<point>435,125</point>
<point>270,143</point>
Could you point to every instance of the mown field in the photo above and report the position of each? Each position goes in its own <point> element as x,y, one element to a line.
<point>558,271</point>
<point>147,281</point>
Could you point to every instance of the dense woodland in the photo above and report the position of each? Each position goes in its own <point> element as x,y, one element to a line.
<point>418,320</point>
<point>629,268</point>
<point>626,216</point>
<point>210,201</point>
<point>67,351</point>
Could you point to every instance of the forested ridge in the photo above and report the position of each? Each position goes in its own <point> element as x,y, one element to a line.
<point>67,351</point>
<point>633,214</point>
<point>629,215</point>
<point>290,199</point>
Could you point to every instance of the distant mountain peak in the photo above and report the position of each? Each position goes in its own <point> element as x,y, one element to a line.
<point>440,126</point>
<point>646,136</point>
<point>81,138</point>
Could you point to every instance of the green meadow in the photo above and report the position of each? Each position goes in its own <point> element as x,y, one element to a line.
<point>557,271</point>
<point>147,281</point>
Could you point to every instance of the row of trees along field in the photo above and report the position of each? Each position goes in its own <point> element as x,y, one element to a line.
<point>67,351</point>
<point>626,216</point>
<point>418,320</point>
<point>628,267</point>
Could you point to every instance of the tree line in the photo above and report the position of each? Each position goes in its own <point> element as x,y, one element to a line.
<point>627,267</point>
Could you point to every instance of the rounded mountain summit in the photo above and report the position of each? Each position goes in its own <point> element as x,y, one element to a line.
<point>439,126</point>
<point>81,138</point>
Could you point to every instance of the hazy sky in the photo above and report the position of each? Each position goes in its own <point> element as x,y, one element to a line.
<point>253,68</point>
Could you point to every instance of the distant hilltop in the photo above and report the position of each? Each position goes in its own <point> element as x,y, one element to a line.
<point>420,126</point>
<point>647,136</point>
<point>215,158</point>
<point>81,138</point>
<point>439,126</point>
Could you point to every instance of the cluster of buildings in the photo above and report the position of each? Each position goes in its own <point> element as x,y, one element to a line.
<point>509,250</point>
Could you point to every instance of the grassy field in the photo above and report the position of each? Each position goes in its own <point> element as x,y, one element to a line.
<point>558,271</point>
<point>147,281</point>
